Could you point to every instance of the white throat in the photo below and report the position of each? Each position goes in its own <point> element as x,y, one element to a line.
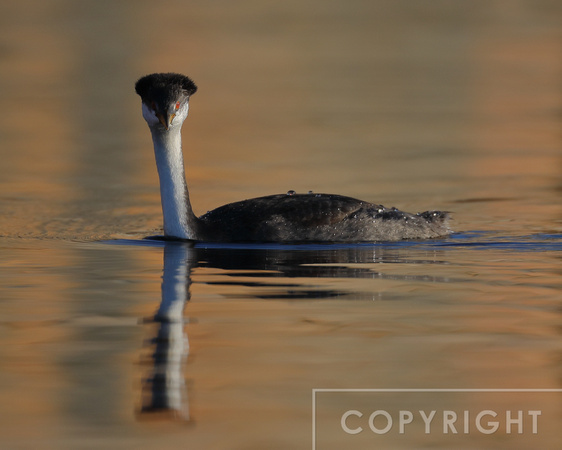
<point>179,220</point>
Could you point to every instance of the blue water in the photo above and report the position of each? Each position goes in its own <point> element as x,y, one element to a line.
<point>486,239</point>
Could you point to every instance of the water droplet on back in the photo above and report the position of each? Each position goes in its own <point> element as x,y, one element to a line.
<point>291,192</point>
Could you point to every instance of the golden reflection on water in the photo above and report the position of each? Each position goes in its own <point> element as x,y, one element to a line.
<point>448,105</point>
<point>258,342</point>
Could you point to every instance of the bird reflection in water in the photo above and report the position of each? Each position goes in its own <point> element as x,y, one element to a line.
<point>164,390</point>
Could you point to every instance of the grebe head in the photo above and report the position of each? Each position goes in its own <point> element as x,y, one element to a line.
<point>165,99</point>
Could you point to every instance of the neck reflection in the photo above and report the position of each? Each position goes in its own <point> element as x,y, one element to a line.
<point>164,390</point>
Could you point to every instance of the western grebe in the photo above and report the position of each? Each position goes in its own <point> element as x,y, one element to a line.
<point>287,217</point>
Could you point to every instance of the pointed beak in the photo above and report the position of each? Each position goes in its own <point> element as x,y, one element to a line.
<point>165,119</point>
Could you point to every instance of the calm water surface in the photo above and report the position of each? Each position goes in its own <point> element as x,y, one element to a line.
<point>110,340</point>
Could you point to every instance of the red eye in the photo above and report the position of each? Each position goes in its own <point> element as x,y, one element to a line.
<point>178,105</point>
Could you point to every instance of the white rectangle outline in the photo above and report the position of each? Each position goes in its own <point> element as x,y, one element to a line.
<point>315,390</point>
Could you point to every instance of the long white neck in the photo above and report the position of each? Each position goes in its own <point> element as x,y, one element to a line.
<point>179,219</point>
